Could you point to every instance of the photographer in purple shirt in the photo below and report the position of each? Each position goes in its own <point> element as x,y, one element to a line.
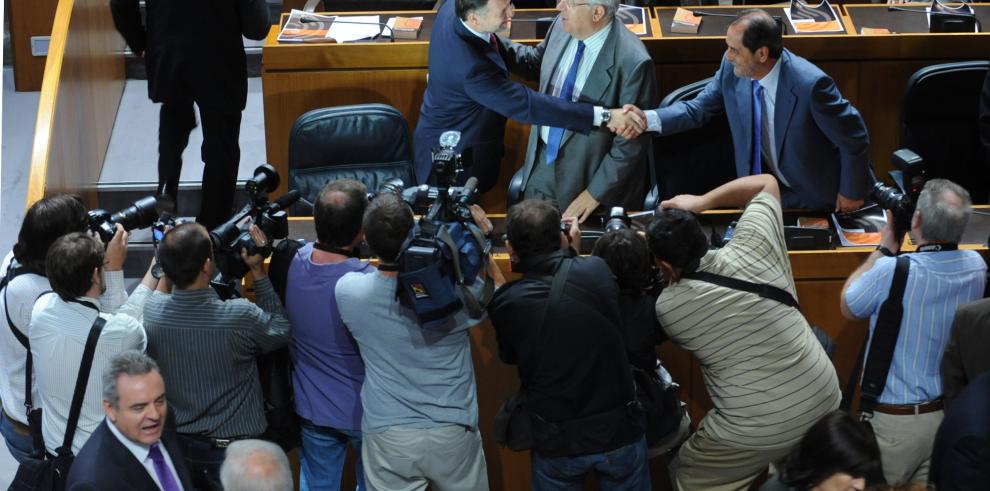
<point>328,370</point>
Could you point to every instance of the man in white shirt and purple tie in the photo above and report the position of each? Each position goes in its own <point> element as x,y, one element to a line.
<point>131,449</point>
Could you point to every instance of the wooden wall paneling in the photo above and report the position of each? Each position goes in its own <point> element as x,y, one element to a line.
<point>29,18</point>
<point>84,81</point>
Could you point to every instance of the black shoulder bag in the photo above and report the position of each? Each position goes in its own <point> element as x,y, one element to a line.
<point>513,426</point>
<point>766,291</point>
<point>275,368</point>
<point>50,474</point>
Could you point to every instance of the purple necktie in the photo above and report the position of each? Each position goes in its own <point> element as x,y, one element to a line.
<point>161,469</point>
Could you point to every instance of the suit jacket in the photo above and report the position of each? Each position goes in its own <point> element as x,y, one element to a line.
<point>469,90</point>
<point>821,141</point>
<point>193,49</point>
<point>961,453</point>
<point>104,463</point>
<point>611,168</point>
<point>966,352</point>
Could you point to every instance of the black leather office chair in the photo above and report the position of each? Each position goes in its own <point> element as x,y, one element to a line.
<point>365,142</point>
<point>940,122</point>
<point>694,161</point>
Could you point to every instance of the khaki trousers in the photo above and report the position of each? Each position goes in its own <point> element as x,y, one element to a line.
<point>705,463</point>
<point>906,444</point>
<point>447,458</point>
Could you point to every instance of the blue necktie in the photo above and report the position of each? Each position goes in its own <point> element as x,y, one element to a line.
<point>756,166</point>
<point>566,92</point>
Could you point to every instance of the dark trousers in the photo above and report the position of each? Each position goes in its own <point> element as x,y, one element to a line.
<point>204,461</point>
<point>221,155</point>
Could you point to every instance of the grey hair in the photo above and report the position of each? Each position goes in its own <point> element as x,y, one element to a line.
<point>611,7</point>
<point>255,465</point>
<point>130,362</point>
<point>943,219</point>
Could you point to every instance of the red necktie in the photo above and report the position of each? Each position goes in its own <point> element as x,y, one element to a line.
<point>493,41</point>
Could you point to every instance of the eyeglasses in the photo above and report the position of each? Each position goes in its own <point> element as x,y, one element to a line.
<point>572,4</point>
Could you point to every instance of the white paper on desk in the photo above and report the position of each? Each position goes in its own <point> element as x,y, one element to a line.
<point>356,27</point>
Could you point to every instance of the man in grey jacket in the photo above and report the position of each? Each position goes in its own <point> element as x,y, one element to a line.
<point>588,56</point>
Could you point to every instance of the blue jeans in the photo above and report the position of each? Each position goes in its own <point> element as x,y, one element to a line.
<point>624,468</point>
<point>321,461</point>
<point>21,446</point>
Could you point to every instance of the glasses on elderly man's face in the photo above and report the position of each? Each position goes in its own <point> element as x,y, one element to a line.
<point>572,4</point>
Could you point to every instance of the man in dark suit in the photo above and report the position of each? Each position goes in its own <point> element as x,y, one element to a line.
<point>966,352</point>
<point>589,52</point>
<point>194,53</point>
<point>786,116</point>
<point>130,450</point>
<point>469,90</point>
<point>961,455</point>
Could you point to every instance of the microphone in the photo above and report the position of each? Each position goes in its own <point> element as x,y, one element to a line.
<point>778,19</point>
<point>468,192</point>
<point>284,201</point>
<point>538,19</point>
<point>391,38</point>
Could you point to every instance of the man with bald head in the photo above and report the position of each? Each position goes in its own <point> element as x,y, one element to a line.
<point>255,465</point>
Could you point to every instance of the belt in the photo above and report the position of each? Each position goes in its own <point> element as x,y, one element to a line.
<point>19,428</point>
<point>905,409</point>
<point>215,442</point>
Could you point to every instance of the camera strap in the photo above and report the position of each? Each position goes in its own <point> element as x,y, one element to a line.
<point>881,351</point>
<point>336,250</point>
<point>557,282</point>
<point>766,291</point>
<point>12,273</point>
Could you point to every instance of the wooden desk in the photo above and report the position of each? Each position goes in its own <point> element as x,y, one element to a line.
<point>870,71</point>
<point>819,276</point>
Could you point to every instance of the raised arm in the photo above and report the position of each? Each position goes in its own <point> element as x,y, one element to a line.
<point>733,194</point>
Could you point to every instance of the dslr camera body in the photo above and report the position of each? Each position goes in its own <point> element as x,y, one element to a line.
<point>902,200</point>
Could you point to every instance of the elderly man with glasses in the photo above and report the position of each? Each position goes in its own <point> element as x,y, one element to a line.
<point>587,56</point>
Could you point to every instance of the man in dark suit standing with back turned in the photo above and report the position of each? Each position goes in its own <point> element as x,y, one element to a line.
<point>194,53</point>
<point>469,90</point>
<point>130,450</point>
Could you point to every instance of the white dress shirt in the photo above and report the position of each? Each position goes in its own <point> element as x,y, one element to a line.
<point>141,453</point>
<point>597,119</point>
<point>58,335</point>
<point>18,300</point>
<point>592,46</point>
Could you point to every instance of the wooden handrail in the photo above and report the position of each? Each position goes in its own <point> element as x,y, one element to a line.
<point>80,95</point>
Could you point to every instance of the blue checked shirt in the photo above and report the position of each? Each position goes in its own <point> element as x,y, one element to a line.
<point>938,282</point>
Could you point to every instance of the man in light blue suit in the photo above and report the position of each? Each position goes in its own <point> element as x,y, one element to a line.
<point>787,119</point>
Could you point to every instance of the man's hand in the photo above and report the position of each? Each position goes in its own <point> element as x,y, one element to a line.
<point>845,205</point>
<point>256,262</point>
<point>481,220</point>
<point>573,236</point>
<point>688,202</point>
<point>627,122</point>
<point>888,237</point>
<point>582,207</point>
<point>113,260</point>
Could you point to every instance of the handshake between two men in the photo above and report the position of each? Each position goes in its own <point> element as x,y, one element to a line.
<point>628,121</point>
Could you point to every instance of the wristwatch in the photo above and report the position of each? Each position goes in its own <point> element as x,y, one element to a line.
<point>606,116</point>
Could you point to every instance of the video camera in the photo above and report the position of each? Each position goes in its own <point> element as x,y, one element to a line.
<point>233,235</point>
<point>445,250</point>
<point>910,178</point>
<point>141,214</point>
